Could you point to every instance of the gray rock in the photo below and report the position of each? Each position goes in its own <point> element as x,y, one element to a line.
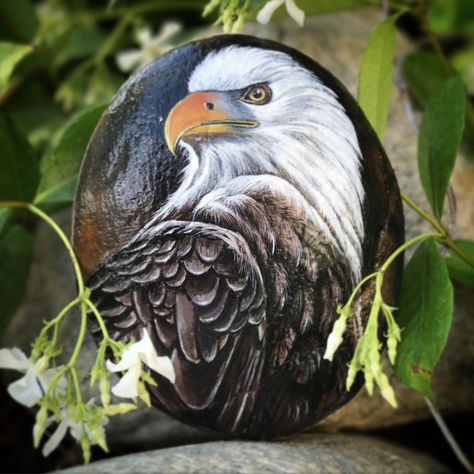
<point>321,453</point>
<point>336,41</point>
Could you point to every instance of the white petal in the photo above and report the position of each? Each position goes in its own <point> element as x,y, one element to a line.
<point>55,439</point>
<point>144,345</point>
<point>162,365</point>
<point>147,350</point>
<point>129,359</point>
<point>265,14</point>
<point>75,429</point>
<point>26,390</point>
<point>127,60</point>
<point>127,386</point>
<point>144,37</point>
<point>45,378</point>
<point>168,30</point>
<point>14,359</point>
<point>295,12</point>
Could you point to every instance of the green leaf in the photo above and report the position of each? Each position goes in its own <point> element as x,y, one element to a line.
<point>16,247</point>
<point>19,173</point>
<point>460,270</point>
<point>34,112</point>
<point>441,131</point>
<point>425,314</point>
<point>376,74</point>
<point>82,41</point>
<point>423,74</point>
<point>18,21</point>
<point>4,216</point>
<point>61,166</point>
<point>453,16</point>
<point>10,55</point>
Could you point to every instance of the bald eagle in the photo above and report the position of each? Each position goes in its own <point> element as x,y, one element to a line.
<point>263,197</point>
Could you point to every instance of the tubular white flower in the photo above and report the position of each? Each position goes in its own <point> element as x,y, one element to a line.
<point>335,338</point>
<point>266,13</point>
<point>334,341</point>
<point>68,421</point>
<point>150,47</point>
<point>142,351</point>
<point>29,389</point>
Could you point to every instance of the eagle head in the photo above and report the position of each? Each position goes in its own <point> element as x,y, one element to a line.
<point>253,111</point>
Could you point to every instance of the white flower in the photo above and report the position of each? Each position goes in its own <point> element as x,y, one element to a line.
<point>131,362</point>
<point>268,10</point>
<point>69,421</point>
<point>31,387</point>
<point>335,338</point>
<point>150,47</point>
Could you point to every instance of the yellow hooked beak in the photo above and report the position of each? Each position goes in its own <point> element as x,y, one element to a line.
<point>200,114</point>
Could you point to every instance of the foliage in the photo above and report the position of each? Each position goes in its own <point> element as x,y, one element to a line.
<point>63,61</point>
<point>375,85</point>
<point>440,135</point>
<point>426,308</point>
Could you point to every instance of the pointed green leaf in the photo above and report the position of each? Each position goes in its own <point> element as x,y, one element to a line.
<point>376,74</point>
<point>19,173</point>
<point>460,270</point>
<point>61,166</point>
<point>440,135</point>
<point>424,74</point>
<point>425,314</point>
<point>10,55</point>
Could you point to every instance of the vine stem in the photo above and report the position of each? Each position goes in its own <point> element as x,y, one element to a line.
<point>424,214</point>
<point>449,436</point>
<point>379,274</point>
<point>35,210</point>
<point>443,236</point>
<point>407,244</point>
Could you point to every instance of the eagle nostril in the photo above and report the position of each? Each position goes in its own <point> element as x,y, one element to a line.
<point>209,106</point>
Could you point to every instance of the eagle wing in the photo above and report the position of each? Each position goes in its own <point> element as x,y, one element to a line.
<point>199,291</point>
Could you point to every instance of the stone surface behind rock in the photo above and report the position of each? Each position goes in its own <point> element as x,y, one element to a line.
<point>336,41</point>
<point>304,454</point>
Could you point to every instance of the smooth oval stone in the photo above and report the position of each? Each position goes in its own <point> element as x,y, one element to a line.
<point>239,178</point>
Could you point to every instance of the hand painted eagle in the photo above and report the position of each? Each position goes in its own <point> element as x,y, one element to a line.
<point>231,197</point>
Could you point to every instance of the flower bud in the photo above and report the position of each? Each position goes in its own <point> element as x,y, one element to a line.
<point>105,391</point>
<point>335,338</point>
<point>369,382</point>
<point>392,349</point>
<point>387,390</point>
<point>42,365</point>
<point>40,425</point>
<point>86,447</point>
<point>238,24</point>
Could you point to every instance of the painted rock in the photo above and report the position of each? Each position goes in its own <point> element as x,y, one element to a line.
<point>231,197</point>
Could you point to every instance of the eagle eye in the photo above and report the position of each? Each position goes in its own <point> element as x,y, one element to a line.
<point>258,94</point>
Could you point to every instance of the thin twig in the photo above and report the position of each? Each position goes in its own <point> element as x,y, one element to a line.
<point>462,458</point>
<point>452,206</point>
